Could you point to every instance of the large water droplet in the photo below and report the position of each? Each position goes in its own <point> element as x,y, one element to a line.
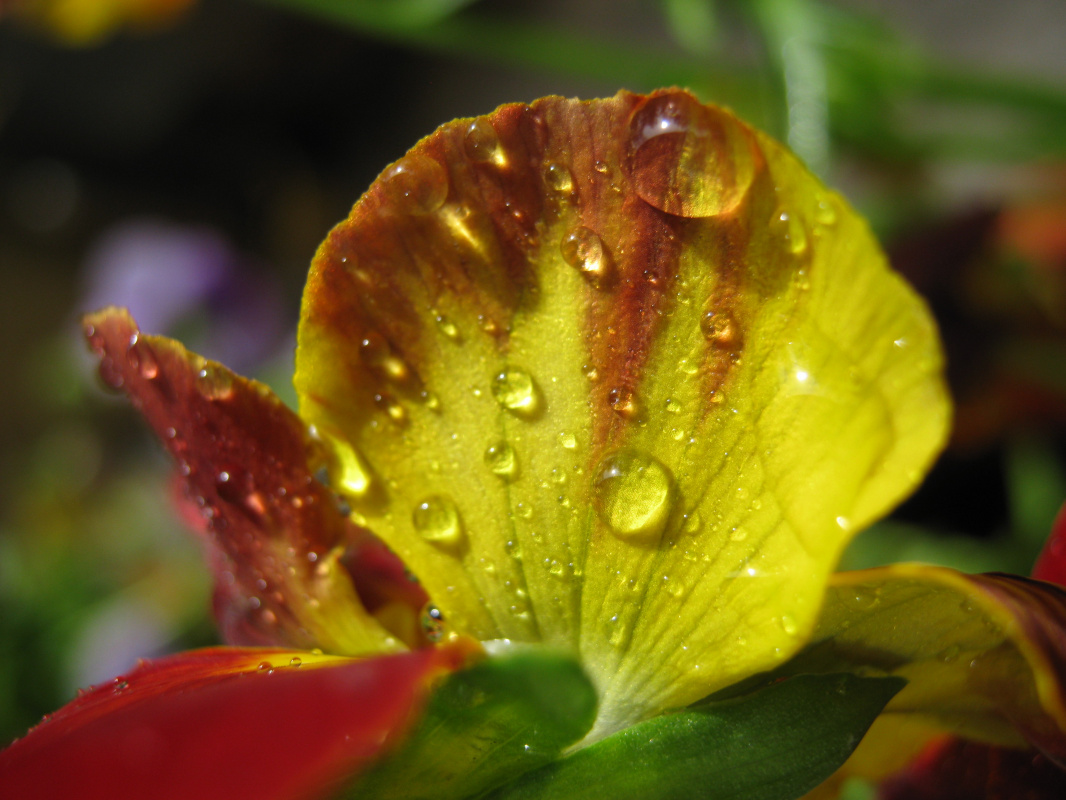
<point>437,521</point>
<point>482,143</point>
<point>583,250</point>
<point>633,494</point>
<point>501,460</point>
<point>418,183</point>
<point>688,159</point>
<point>515,390</point>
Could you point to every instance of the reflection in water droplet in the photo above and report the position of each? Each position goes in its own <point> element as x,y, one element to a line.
<point>418,183</point>
<point>515,390</point>
<point>633,494</point>
<point>501,460</point>
<point>690,160</point>
<point>437,521</point>
<point>482,143</point>
<point>558,178</point>
<point>432,623</point>
<point>583,250</point>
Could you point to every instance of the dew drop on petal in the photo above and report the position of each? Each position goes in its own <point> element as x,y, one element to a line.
<point>482,143</point>
<point>584,250</point>
<point>432,623</point>
<point>559,179</point>
<point>418,183</point>
<point>501,460</point>
<point>437,521</point>
<point>515,391</point>
<point>690,160</point>
<point>633,493</point>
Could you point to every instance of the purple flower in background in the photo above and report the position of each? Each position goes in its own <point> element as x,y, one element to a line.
<point>189,278</point>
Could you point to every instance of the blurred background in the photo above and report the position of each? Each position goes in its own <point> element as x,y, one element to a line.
<point>185,157</point>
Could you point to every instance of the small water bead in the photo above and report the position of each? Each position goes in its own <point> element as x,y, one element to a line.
<point>721,330</point>
<point>447,327</point>
<point>515,391</point>
<point>501,460</point>
<point>265,666</point>
<point>788,625</point>
<point>625,403</point>
<point>354,478</point>
<point>790,228</point>
<point>142,359</point>
<point>418,182</point>
<point>584,250</point>
<point>825,213</point>
<point>690,160</point>
<point>432,623</point>
<point>482,143</point>
<point>391,406</point>
<point>568,440</point>
<point>295,661</point>
<point>437,521</point>
<point>633,494</point>
<point>376,354</point>
<point>215,382</point>
<point>558,178</point>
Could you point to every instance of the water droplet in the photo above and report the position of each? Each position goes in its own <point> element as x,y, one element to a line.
<point>738,534</point>
<point>568,440</point>
<point>432,623</point>
<point>590,372</point>
<point>447,327</point>
<point>295,661</point>
<point>950,654</point>
<point>789,227</point>
<point>391,406</point>
<point>633,494</point>
<point>501,460</point>
<point>418,183</point>
<point>672,406</point>
<point>354,478</point>
<point>142,359</point>
<point>515,390</point>
<point>437,521</point>
<point>583,250</point>
<point>825,213</point>
<point>693,522</point>
<point>215,382</point>
<point>721,330</point>
<point>625,403</point>
<point>482,143</point>
<point>378,356</point>
<point>688,159</point>
<point>558,178</point>
<point>788,624</point>
<point>265,666</point>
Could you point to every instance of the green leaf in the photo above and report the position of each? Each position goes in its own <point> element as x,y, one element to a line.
<point>487,725</point>
<point>775,744</point>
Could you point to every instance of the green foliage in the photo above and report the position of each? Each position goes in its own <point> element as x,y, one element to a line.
<point>488,725</point>
<point>774,744</point>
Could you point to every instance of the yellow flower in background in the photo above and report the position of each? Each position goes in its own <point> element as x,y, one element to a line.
<point>87,22</point>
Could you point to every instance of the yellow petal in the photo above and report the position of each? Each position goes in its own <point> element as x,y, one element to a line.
<point>984,655</point>
<point>621,376</point>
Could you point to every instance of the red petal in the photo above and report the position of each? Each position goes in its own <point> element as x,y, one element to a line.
<point>213,724</point>
<point>282,550</point>
<point>1051,565</point>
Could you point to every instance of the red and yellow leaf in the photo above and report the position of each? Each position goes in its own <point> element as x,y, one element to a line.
<point>620,376</point>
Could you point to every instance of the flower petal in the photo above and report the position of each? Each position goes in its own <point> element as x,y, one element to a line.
<point>984,655</point>
<point>281,547</point>
<point>1051,565</point>
<point>225,723</point>
<point>622,376</point>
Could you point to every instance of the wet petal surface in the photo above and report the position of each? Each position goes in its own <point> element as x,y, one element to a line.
<point>620,376</point>
<point>283,554</point>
